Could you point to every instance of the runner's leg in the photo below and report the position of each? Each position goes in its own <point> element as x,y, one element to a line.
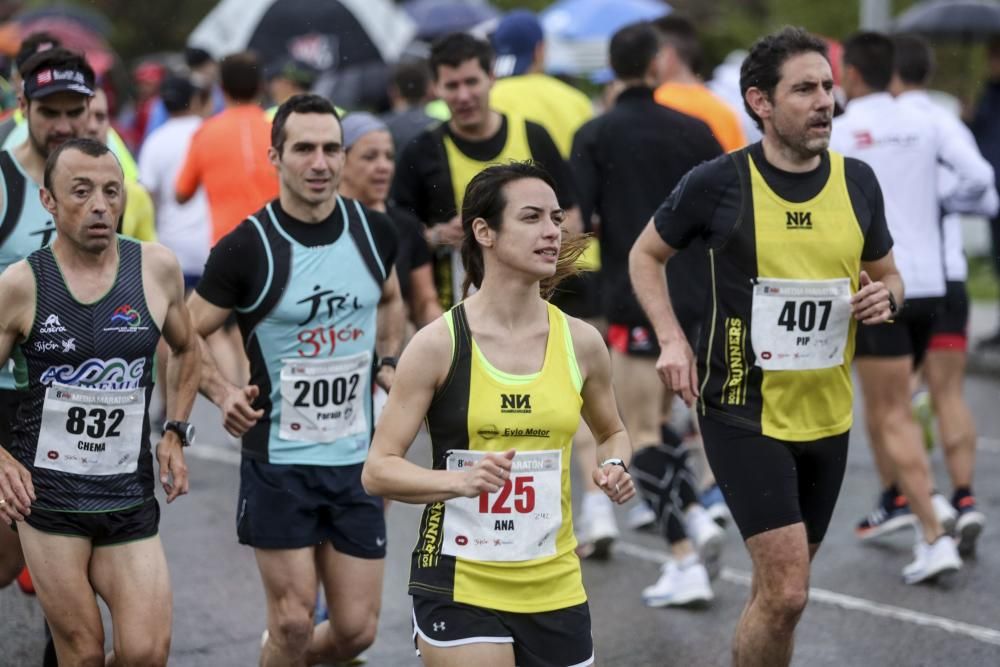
<point>780,590</point>
<point>485,654</point>
<point>134,581</point>
<point>353,588</point>
<point>58,566</point>
<point>885,386</point>
<point>289,578</point>
<point>944,372</point>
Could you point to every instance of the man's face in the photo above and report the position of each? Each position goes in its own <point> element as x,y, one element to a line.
<point>800,113</point>
<point>99,121</point>
<point>86,199</point>
<point>466,91</point>
<point>55,119</point>
<point>311,158</point>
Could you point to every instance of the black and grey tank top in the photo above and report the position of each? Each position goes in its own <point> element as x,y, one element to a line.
<point>88,369</point>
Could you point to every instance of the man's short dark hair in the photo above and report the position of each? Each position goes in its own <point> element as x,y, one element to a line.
<point>458,47</point>
<point>761,68</point>
<point>679,33</point>
<point>195,57</point>
<point>87,146</point>
<point>412,78</point>
<point>32,44</point>
<point>632,49</point>
<point>304,103</point>
<point>913,59</point>
<point>240,76</point>
<point>871,54</point>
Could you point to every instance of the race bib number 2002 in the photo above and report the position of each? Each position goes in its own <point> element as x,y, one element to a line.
<point>323,400</point>
<point>519,522</point>
<point>800,325</point>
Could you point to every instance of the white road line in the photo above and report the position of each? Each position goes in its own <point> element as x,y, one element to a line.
<point>848,602</point>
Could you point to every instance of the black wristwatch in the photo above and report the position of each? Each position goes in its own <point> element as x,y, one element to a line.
<point>184,431</point>
<point>386,361</point>
<point>614,462</point>
<point>893,307</point>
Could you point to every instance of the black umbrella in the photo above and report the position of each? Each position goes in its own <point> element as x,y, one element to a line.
<point>963,19</point>
<point>333,36</point>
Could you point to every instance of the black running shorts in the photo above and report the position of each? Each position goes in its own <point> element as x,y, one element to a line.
<point>908,335</point>
<point>770,483</point>
<point>952,327</point>
<point>559,638</point>
<point>103,529</point>
<point>296,506</point>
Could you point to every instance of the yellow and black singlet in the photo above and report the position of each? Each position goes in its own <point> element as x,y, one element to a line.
<point>785,253</point>
<point>512,550</point>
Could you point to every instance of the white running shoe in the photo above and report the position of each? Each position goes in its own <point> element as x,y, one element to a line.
<point>641,516</point>
<point>596,526</point>
<point>707,536</point>
<point>679,585</point>
<point>932,560</point>
<point>968,526</point>
<point>945,513</point>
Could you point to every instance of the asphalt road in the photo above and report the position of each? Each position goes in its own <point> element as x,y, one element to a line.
<point>860,613</point>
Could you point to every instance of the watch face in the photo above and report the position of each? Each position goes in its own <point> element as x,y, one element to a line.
<point>189,434</point>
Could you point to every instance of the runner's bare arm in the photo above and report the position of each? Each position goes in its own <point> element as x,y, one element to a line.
<point>183,370</point>
<point>17,303</point>
<point>879,278</point>
<point>600,411</point>
<point>647,262</point>
<point>389,328</point>
<point>235,402</point>
<point>422,369</point>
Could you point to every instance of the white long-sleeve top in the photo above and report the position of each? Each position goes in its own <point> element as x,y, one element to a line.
<point>955,265</point>
<point>904,146</point>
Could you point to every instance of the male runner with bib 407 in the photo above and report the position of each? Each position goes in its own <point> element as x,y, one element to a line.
<point>799,254</point>
<point>82,319</point>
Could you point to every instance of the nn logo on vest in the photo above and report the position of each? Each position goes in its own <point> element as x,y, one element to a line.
<point>515,403</point>
<point>798,220</point>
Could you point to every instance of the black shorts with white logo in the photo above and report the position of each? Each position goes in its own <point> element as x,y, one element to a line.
<point>103,529</point>
<point>294,506</point>
<point>770,483</point>
<point>559,638</point>
<point>908,335</point>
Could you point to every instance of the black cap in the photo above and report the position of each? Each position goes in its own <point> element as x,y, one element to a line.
<point>176,93</point>
<point>57,70</point>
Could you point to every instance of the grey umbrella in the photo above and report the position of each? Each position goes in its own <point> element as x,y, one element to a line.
<point>963,19</point>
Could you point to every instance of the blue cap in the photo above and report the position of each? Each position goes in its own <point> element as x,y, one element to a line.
<point>515,39</point>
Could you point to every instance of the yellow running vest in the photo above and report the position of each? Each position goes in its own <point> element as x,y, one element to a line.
<point>512,550</point>
<point>819,239</point>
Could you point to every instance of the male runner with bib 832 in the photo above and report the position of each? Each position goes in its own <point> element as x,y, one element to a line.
<point>502,380</point>
<point>81,319</point>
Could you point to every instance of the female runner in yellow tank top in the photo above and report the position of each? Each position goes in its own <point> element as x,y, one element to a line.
<point>502,380</point>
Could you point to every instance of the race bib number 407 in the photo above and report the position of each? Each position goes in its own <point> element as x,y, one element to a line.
<point>519,522</point>
<point>800,325</point>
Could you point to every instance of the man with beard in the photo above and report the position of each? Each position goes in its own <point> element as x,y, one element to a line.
<point>799,252</point>
<point>58,85</point>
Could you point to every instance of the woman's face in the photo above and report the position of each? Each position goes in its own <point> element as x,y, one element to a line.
<point>531,233</point>
<point>370,166</point>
